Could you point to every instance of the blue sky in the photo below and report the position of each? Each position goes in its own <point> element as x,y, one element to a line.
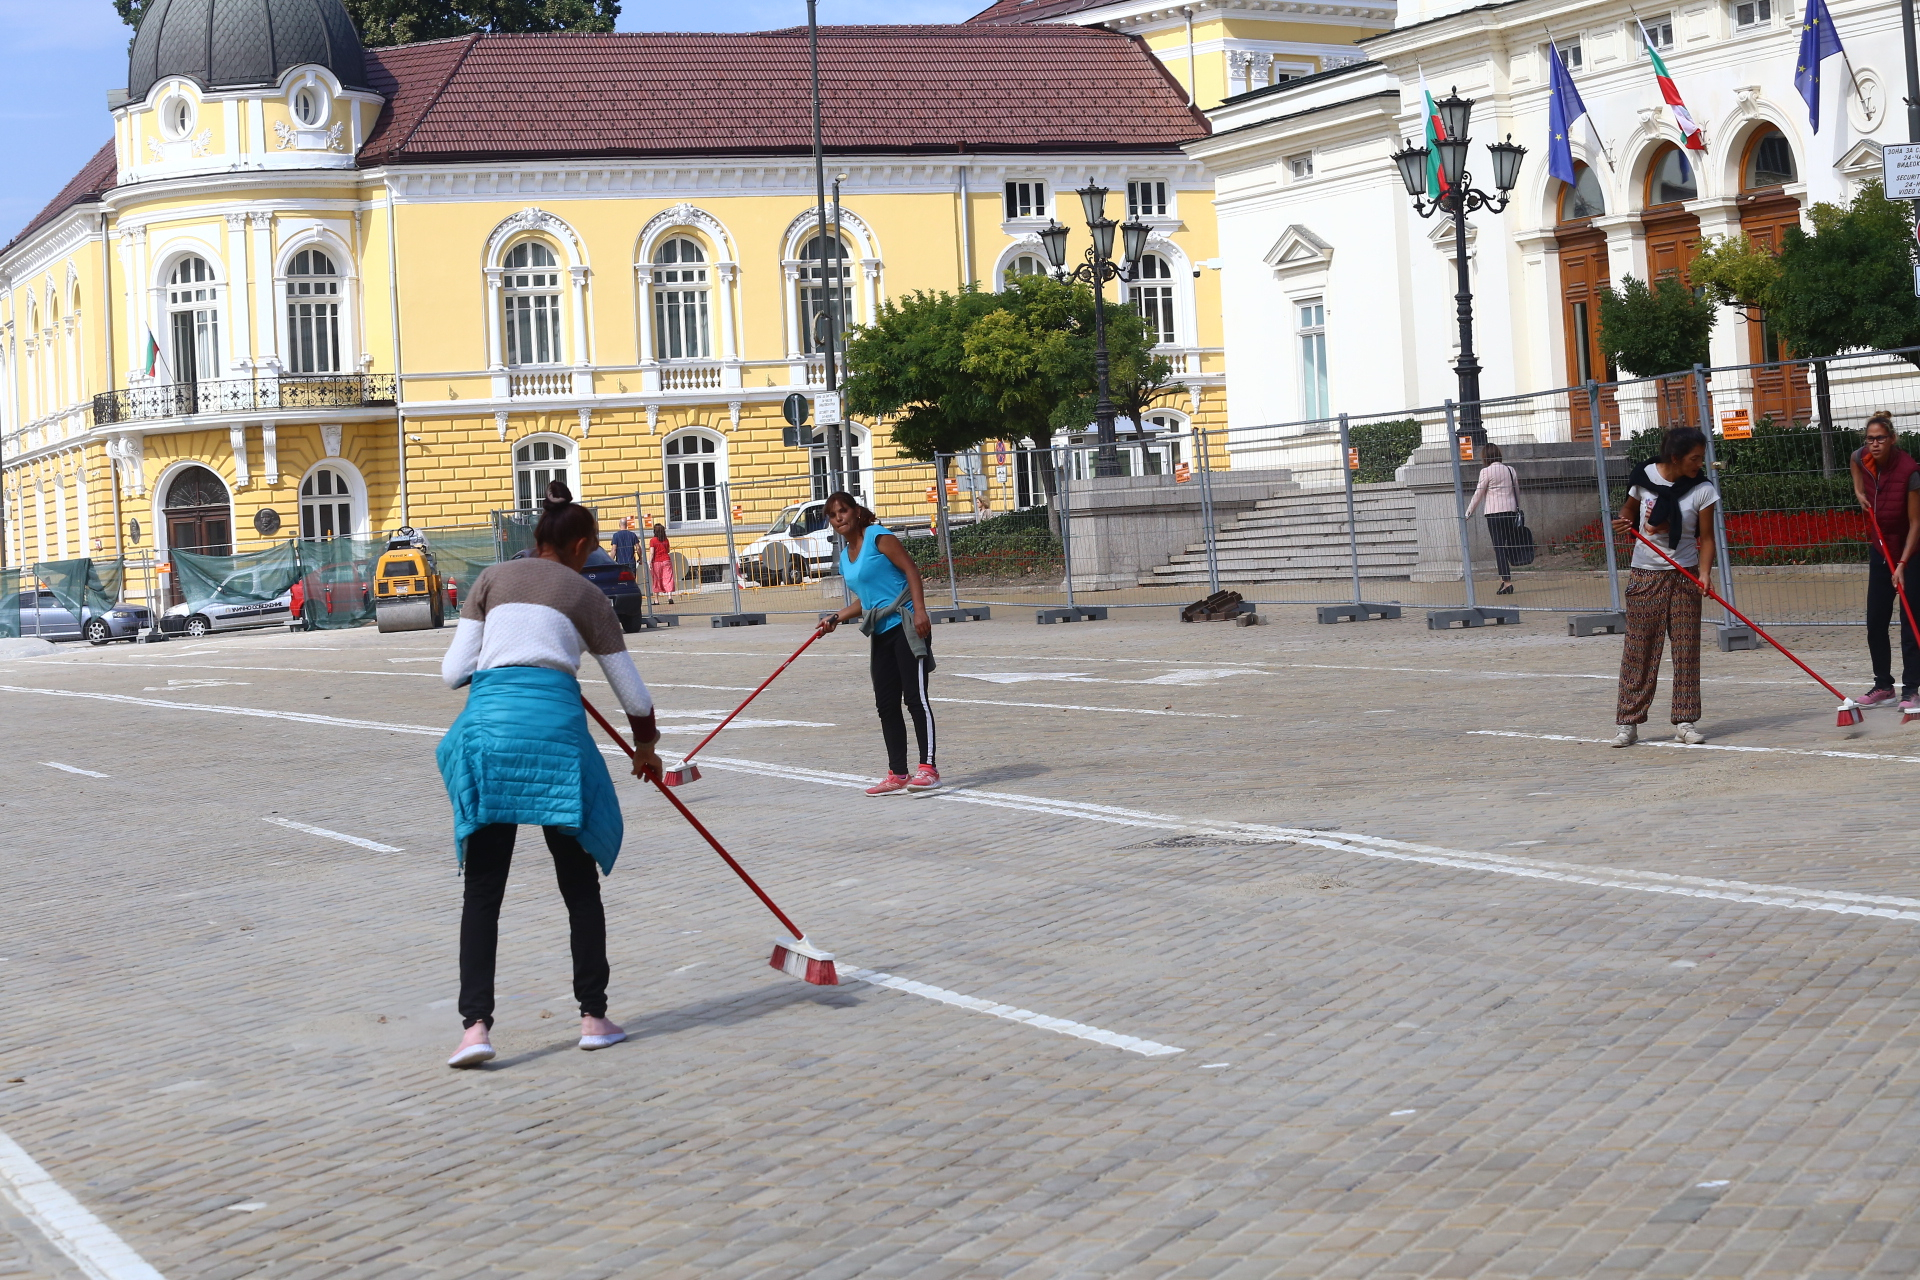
<point>61,57</point>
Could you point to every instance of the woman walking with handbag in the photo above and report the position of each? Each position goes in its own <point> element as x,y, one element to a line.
<point>1499,489</point>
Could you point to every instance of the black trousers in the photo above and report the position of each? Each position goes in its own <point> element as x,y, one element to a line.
<point>900,679</point>
<point>1882,605</point>
<point>489,858</point>
<point>1500,532</point>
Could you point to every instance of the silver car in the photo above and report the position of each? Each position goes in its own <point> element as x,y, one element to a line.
<point>233,617</point>
<point>44,616</point>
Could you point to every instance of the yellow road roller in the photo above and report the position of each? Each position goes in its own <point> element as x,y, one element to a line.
<point>408,594</point>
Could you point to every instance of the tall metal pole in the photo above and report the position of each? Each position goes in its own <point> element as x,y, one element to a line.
<point>1107,462</point>
<point>1460,506</point>
<point>1353,524</point>
<point>1913,88</point>
<point>836,473</point>
<point>1468,365</point>
<point>1606,492</point>
<point>840,438</point>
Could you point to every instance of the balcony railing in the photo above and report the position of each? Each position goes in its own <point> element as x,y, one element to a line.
<point>540,384</point>
<point>689,377</point>
<point>242,395</point>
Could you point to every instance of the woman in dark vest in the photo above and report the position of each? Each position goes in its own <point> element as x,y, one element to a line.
<point>1886,480</point>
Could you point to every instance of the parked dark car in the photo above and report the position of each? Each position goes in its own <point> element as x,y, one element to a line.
<point>617,580</point>
<point>44,616</point>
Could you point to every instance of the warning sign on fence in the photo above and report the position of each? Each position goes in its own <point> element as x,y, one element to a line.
<point>1735,424</point>
<point>1182,473</point>
<point>1466,448</point>
<point>1353,457</point>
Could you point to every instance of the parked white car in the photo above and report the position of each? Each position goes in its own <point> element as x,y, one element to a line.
<point>234,617</point>
<point>801,532</point>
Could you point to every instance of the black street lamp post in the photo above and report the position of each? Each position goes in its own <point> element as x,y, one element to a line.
<point>1458,198</point>
<point>1098,268</point>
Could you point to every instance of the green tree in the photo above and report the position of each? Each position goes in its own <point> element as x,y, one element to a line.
<point>1657,330</point>
<point>908,365</point>
<point>388,22</point>
<point>1849,284</point>
<point>1736,271</point>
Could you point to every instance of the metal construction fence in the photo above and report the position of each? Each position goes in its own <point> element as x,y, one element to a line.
<point>1381,509</point>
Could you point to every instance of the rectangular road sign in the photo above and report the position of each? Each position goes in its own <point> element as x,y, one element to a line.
<point>1900,170</point>
<point>826,407</point>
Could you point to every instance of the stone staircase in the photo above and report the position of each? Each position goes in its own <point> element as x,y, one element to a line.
<point>1303,536</point>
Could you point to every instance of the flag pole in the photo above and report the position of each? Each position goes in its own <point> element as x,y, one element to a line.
<point>1606,155</point>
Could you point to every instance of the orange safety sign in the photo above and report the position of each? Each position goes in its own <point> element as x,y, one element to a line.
<point>1353,457</point>
<point>1736,424</point>
<point>1182,473</point>
<point>1466,448</point>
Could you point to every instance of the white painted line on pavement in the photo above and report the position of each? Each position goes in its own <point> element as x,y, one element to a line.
<point>1701,746</point>
<point>1770,895</point>
<point>67,768</point>
<point>342,837</point>
<point>1132,1044</point>
<point>1068,706</point>
<point>65,1222</point>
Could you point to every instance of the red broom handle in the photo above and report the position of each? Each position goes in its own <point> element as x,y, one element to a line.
<point>750,697</point>
<point>1736,613</point>
<point>687,813</point>
<point>1873,523</point>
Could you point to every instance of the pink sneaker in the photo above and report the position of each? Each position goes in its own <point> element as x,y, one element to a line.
<point>925,778</point>
<point>1910,704</point>
<point>1875,698</point>
<point>889,785</point>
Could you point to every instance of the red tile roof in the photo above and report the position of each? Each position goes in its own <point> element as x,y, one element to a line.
<point>887,90</point>
<point>86,187</point>
<point>1034,10</point>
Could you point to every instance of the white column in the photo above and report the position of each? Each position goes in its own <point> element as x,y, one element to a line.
<point>1727,344</point>
<point>582,355</point>
<point>725,275</point>
<point>870,267</point>
<point>496,344</point>
<point>240,307</point>
<point>266,326</point>
<point>649,362</point>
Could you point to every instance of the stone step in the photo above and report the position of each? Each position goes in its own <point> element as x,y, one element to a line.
<point>1395,540</point>
<point>1329,511</point>
<point>1324,564</point>
<point>1200,578</point>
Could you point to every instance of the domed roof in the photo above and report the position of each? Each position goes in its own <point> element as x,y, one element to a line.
<point>232,44</point>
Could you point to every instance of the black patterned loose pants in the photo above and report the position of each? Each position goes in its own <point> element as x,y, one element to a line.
<point>1660,603</point>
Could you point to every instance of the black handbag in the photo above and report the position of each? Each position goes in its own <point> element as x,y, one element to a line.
<point>1520,549</point>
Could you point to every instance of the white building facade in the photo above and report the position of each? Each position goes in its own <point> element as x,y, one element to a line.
<point>1344,296</point>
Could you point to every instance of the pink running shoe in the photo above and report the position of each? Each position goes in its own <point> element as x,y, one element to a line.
<point>1910,703</point>
<point>925,778</point>
<point>889,785</point>
<point>1875,698</point>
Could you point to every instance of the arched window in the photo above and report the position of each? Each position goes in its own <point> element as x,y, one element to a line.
<point>1769,161</point>
<point>310,106</point>
<point>693,479</point>
<point>193,302</point>
<point>537,463</point>
<point>531,299</point>
<point>859,441</point>
<point>680,327</point>
<point>326,505</point>
<point>1152,290</point>
<point>1583,199</point>
<point>1026,264</point>
<point>826,293</point>
<point>313,314</point>
<point>1671,178</point>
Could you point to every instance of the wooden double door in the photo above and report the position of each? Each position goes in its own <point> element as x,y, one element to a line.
<point>1780,392</point>
<point>1583,278</point>
<point>206,531</point>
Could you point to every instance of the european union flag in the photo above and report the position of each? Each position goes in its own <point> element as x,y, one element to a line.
<point>1564,112</point>
<point>1818,42</point>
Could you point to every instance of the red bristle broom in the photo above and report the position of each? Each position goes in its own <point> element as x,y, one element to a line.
<point>1873,523</point>
<point>1850,712</point>
<point>688,770</point>
<point>793,954</point>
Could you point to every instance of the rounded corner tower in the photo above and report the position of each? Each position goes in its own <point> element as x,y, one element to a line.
<point>241,44</point>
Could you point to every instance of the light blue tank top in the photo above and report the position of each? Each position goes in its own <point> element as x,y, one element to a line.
<point>875,579</point>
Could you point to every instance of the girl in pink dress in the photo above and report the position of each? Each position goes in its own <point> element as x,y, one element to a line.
<point>660,561</point>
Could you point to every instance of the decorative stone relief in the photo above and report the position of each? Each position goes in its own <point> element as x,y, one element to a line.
<point>330,439</point>
<point>270,447</point>
<point>733,411</point>
<point>500,424</point>
<point>237,441</point>
<point>586,423</point>
<point>653,419</point>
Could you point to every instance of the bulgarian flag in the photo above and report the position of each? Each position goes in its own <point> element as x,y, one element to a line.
<point>153,354</point>
<point>1688,129</point>
<point>1436,134</point>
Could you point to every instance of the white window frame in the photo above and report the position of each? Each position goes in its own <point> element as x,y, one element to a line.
<point>714,490</point>
<point>1181,281</point>
<point>1762,11</point>
<point>510,292</point>
<point>1310,334</point>
<point>1004,273</point>
<point>286,286</point>
<point>215,308</point>
<point>674,298</point>
<point>1159,205</point>
<point>812,276</point>
<point>861,438</point>
<point>1570,50</point>
<point>178,113</point>
<point>568,468</point>
<point>355,495</point>
<point>1163,291</point>
<point>1025,200</point>
<point>1659,28</point>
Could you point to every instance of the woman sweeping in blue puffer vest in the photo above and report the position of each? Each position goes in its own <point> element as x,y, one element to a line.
<point>520,754</point>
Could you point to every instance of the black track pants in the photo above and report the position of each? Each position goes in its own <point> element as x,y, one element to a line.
<point>489,858</point>
<point>901,678</point>
<point>1883,605</point>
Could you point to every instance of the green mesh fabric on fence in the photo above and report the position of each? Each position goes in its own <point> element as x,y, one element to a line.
<point>83,587</point>
<point>253,578</point>
<point>9,604</point>
<point>336,578</point>
<point>460,555</point>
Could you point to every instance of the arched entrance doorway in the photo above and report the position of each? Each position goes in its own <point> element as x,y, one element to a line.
<point>1583,277</point>
<point>1766,211</point>
<point>199,519</point>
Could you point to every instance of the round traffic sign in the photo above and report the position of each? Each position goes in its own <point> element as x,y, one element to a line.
<point>795,409</point>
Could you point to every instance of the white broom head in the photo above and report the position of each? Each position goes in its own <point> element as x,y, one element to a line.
<point>799,958</point>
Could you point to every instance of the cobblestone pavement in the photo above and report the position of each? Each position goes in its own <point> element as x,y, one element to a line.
<point>1448,1002</point>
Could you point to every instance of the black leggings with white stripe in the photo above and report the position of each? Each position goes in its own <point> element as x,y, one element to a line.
<point>901,678</point>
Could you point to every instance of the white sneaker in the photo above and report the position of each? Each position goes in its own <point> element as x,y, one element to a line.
<point>1628,735</point>
<point>1688,734</point>
<point>472,1056</point>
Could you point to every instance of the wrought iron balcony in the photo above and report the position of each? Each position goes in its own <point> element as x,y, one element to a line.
<point>243,395</point>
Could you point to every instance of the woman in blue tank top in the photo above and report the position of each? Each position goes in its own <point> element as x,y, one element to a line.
<point>885,592</point>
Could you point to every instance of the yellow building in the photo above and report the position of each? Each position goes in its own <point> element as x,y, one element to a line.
<point>310,289</point>
<point>1218,49</point>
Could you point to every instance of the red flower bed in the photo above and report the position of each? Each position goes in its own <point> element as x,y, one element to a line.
<point>1757,537</point>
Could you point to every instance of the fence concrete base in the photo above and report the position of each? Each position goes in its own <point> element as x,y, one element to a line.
<point>1357,612</point>
<point>655,621</point>
<point>1079,613</point>
<point>1441,619</point>
<point>1593,624</point>
<point>1732,636</point>
<point>1558,492</point>
<point>738,620</point>
<point>1124,527</point>
<point>965,613</point>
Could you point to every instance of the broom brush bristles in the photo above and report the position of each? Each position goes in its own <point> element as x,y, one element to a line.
<point>1850,714</point>
<point>682,776</point>
<point>798,958</point>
